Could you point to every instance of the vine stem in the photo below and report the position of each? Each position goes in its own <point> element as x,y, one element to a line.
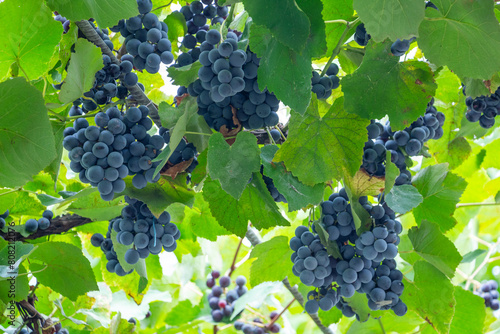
<point>271,139</point>
<point>281,313</point>
<point>135,90</point>
<point>491,251</point>
<point>337,21</point>
<point>254,238</point>
<point>11,191</point>
<point>215,329</point>
<point>197,133</point>
<point>233,266</point>
<point>341,41</point>
<point>59,117</point>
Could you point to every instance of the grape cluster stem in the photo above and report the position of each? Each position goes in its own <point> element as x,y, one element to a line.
<point>492,250</point>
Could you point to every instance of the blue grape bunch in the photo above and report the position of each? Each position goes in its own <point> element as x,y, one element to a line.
<point>220,298</point>
<point>64,21</point>
<point>323,86</point>
<point>146,39</point>
<point>366,264</point>
<point>401,144</point>
<point>198,15</point>
<point>489,292</point>
<point>117,146</point>
<point>483,109</point>
<point>138,227</point>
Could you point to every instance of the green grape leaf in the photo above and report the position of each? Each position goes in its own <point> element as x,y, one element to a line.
<point>319,149</point>
<point>282,70</point>
<point>63,268</point>
<point>95,208</point>
<point>283,19</point>
<point>272,262</point>
<point>26,138</point>
<point>359,306</point>
<point>430,243</point>
<point>451,148</point>
<point>363,184</point>
<point>391,173</point>
<point>233,165</point>
<point>391,19</point>
<point>475,87</point>
<point>255,296</point>
<point>430,295</point>
<point>85,62</point>
<point>201,221</point>
<point>26,205</point>
<point>329,317</point>
<point>403,198</point>
<point>336,10</point>
<point>177,27</point>
<point>255,205</point>
<point>297,194</point>
<point>55,165</point>
<point>332,247</point>
<point>316,43</point>
<point>107,13</point>
<point>182,313</point>
<point>441,191</point>
<point>470,313</point>
<point>465,27</point>
<point>391,322</point>
<point>161,194</point>
<point>384,85</point>
<point>183,76</point>
<point>31,38</point>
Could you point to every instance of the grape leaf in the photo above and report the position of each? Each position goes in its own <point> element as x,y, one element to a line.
<point>470,29</point>
<point>384,85</point>
<point>106,12</point>
<point>430,243</point>
<point>183,312</point>
<point>319,149</point>
<point>297,194</point>
<point>95,208</point>
<point>26,138</point>
<point>441,191</point>
<point>161,194</point>
<point>391,19</point>
<point>55,165</point>
<point>255,205</point>
<point>19,291</point>
<point>316,43</point>
<point>139,267</point>
<point>183,76</point>
<point>233,165</point>
<point>475,87</point>
<point>335,10</point>
<point>451,148</point>
<point>285,21</point>
<point>470,313</point>
<point>471,256</point>
<point>283,71</point>
<point>430,295</point>
<point>67,270</point>
<point>177,27</point>
<point>391,173</point>
<point>85,62</point>
<point>403,198</point>
<point>272,262</point>
<point>363,184</point>
<point>30,38</point>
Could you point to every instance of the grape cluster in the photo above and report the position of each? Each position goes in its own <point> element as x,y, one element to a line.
<point>220,298</point>
<point>276,195</point>
<point>361,36</point>
<point>228,81</point>
<point>257,325</point>
<point>183,152</point>
<point>138,227</point>
<point>105,86</point>
<point>117,146</point>
<point>401,144</point>
<point>483,109</point>
<point>325,298</point>
<point>197,16</point>
<point>64,21</point>
<point>146,39</point>
<point>323,86</point>
<point>3,216</point>
<point>32,225</point>
<point>489,292</point>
